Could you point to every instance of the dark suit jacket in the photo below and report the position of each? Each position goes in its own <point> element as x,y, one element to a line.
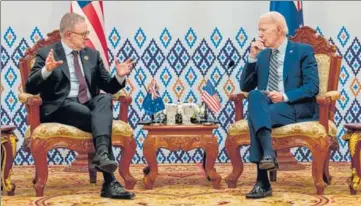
<point>55,89</point>
<point>300,78</point>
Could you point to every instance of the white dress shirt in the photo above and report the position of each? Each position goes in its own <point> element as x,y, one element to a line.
<point>281,58</point>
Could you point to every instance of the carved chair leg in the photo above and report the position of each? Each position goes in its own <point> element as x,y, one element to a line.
<point>327,178</point>
<point>233,152</point>
<point>41,167</point>
<point>35,178</point>
<point>273,175</point>
<point>318,159</point>
<point>127,153</point>
<point>92,170</point>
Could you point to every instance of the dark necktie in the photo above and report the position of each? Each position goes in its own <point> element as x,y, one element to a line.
<point>273,77</point>
<point>83,87</point>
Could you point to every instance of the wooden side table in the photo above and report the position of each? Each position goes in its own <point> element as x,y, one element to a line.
<point>175,137</point>
<point>8,152</point>
<point>353,136</point>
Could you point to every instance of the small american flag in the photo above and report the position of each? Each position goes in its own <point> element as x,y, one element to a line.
<point>210,97</point>
<point>94,16</point>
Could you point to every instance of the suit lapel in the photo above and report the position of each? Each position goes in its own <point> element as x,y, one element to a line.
<point>86,65</point>
<point>60,55</point>
<point>288,59</point>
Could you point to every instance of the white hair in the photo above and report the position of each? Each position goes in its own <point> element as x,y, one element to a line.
<point>68,21</point>
<point>278,19</point>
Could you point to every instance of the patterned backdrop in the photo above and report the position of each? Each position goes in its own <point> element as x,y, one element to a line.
<point>181,64</point>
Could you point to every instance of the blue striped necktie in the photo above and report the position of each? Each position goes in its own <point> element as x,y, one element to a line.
<point>273,77</point>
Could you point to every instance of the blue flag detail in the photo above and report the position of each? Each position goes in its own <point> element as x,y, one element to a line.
<point>292,11</point>
<point>153,102</point>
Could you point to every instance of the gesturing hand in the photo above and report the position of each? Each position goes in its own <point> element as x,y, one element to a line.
<point>50,63</point>
<point>124,68</point>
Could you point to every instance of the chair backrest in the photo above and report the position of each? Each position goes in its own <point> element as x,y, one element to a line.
<point>26,63</point>
<point>328,61</point>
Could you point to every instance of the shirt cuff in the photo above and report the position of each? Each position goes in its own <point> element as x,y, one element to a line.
<point>44,73</point>
<point>251,60</point>
<point>120,79</point>
<point>285,98</point>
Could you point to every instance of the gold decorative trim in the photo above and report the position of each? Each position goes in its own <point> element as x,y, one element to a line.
<point>355,180</point>
<point>5,182</point>
<point>352,143</point>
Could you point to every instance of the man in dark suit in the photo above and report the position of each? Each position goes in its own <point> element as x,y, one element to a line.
<point>69,76</point>
<point>286,77</point>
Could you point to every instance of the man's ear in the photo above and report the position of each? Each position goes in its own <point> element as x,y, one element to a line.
<point>278,28</point>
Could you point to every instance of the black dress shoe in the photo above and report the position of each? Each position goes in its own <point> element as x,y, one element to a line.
<point>102,163</point>
<point>259,191</point>
<point>268,163</point>
<point>116,191</point>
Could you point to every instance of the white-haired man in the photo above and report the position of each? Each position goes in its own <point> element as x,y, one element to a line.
<point>286,77</point>
<point>69,76</point>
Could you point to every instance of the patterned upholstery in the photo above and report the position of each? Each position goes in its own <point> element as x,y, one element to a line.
<point>323,63</point>
<point>312,129</point>
<point>51,130</point>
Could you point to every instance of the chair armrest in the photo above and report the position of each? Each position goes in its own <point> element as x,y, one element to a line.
<point>334,95</point>
<point>25,97</point>
<point>326,106</point>
<point>238,103</point>
<point>125,101</point>
<point>32,104</point>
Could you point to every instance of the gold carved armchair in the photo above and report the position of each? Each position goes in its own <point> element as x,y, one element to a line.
<point>40,138</point>
<point>318,136</point>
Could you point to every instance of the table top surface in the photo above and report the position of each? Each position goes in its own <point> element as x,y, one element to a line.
<point>7,128</point>
<point>353,126</point>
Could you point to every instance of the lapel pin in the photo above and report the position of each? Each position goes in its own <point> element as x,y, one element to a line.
<point>291,51</point>
<point>86,57</point>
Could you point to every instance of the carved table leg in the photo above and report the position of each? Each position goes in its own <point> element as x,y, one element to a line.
<point>150,152</point>
<point>237,164</point>
<point>211,149</point>
<point>8,152</point>
<point>127,154</point>
<point>204,160</point>
<point>355,181</point>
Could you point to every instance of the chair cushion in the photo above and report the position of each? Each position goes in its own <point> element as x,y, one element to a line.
<point>51,130</point>
<point>312,129</point>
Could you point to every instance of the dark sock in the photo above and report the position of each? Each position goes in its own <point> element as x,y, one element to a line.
<point>263,177</point>
<point>102,144</point>
<point>108,178</point>
<point>264,135</point>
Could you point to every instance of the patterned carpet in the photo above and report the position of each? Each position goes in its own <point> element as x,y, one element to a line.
<point>182,185</point>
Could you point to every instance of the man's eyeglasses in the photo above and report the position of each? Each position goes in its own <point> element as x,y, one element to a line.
<point>84,34</point>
